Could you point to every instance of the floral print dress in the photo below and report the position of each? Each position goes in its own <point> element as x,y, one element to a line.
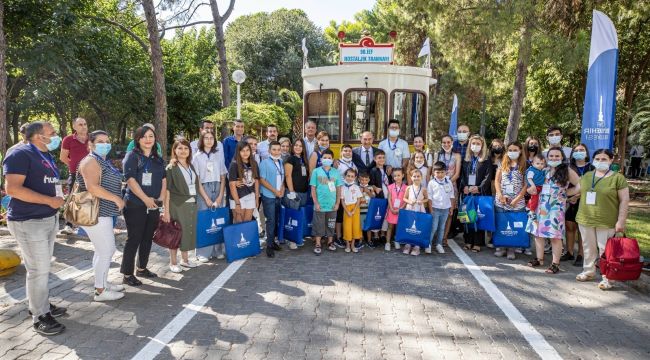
<point>550,212</point>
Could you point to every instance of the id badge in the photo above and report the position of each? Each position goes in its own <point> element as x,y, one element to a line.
<point>278,182</point>
<point>331,186</point>
<point>591,198</point>
<point>59,190</point>
<point>510,189</point>
<point>396,203</point>
<point>447,188</point>
<point>471,181</point>
<point>146,179</point>
<point>192,189</point>
<point>304,170</point>
<point>398,153</point>
<point>210,167</point>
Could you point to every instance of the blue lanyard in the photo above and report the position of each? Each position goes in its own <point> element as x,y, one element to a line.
<point>418,193</point>
<point>189,172</point>
<point>327,173</point>
<point>108,164</point>
<point>50,161</point>
<point>348,164</point>
<point>278,168</point>
<point>399,190</point>
<point>446,161</point>
<point>384,177</point>
<point>516,168</point>
<point>474,165</point>
<point>147,163</point>
<point>593,177</point>
<point>441,183</point>
<point>392,146</point>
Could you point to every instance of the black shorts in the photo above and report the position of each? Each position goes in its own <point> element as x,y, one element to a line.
<point>571,211</point>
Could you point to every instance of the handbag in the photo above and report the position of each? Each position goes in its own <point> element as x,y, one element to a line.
<point>511,230</point>
<point>82,208</point>
<point>168,234</point>
<point>293,224</point>
<point>621,259</point>
<point>414,228</point>
<point>467,212</point>
<point>485,213</point>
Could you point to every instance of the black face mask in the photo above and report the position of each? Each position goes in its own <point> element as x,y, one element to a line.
<point>497,151</point>
<point>532,148</point>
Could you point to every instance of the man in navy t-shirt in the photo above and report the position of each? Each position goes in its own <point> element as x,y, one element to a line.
<point>32,180</point>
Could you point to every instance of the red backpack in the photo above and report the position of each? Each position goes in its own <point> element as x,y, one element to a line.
<point>621,259</point>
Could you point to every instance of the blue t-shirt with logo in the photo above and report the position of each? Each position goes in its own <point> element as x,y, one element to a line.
<point>40,177</point>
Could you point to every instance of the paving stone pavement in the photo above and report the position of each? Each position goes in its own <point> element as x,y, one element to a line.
<point>371,305</point>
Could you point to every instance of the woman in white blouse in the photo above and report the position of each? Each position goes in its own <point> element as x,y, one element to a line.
<point>210,164</point>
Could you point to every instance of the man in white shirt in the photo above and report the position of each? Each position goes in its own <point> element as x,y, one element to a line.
<point>636,158</point>
<point>554,137</point>
<point>396,149</point>
<point>263,147</point>
<point>206,125</point>
<point>310,137</point>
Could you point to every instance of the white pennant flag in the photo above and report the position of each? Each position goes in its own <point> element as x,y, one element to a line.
<point>426,48</point>
<point>305,51</point>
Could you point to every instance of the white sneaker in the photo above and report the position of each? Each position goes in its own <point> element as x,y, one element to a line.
<point>202,259</point>
<point>440,249</point>
<point>500,252</point>
<point>114,287</point>
<point>67,230</point>
<point>397,246</point>
<point>221,257</point>
<point>519,250</point>
<point>407,249</point>
<point>387,246</point>
<point>188,264</point>
<point>528,252</point>
<point>108,295</point>
<point>292,245</point>
<point>427,250</point>
<point>175,268</point>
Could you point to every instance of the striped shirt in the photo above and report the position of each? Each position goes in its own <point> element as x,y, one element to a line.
<point>515,178</point>
<point>111,181</point>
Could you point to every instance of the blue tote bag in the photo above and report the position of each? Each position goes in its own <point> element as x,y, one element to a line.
<point>511,229</point>
<point>309,215</point>
<point>293,224</point>
<point>485,213</point>
<point>376,214</point>
<point>413,228</point>
<point>209,226</point>
<point>242,240</point>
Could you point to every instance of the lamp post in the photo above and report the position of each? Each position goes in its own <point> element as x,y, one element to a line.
<point>238,77</point>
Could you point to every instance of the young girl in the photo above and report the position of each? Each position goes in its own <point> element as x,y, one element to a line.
<point>243,177</point>
<point>396,192</point>
<point>429,157</point>
<point>343,165</point>
<point>418,161</point>
<point>415,200</point>
<point>453,164</point>
<point>368,193</point>
<point>351,197</point>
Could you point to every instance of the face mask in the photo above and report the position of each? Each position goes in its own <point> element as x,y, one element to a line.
<point>601,165</point>
<point>327,162</point>
<point>393,133</point>
<point>346,159</point>
<point>475,148</point>
<point>102,149</point>
<point>579,155</point>
<point>55,141</point>
<point>419,164</point>
<point>497,151</point>
<point>554,140</point>
<point>533,148</point>
<point>513,155</point>
<point>555,163</point>
<point>322,147</point>
<point>463,136</point>
<point>349,183</point>
<point>275,158</point>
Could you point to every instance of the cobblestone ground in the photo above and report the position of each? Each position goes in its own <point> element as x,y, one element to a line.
<point>372,305</point>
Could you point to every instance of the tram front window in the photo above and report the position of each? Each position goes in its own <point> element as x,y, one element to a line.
<point>323,107</point>
<point>364,111</point>
<point>409,109</point>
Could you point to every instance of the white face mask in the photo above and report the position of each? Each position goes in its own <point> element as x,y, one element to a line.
<point>601,165</point>
<point>463,136</point>
<point>393,133</point>
<point>554,140</point>
<point>475,148</point>
<point>346,159</point>
<point>513,155</point>
<point>555,163</point>
<point>419,164</point>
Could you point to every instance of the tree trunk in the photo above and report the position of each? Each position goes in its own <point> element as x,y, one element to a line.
<point>221,48</point>
<point>14,125</point>
<point>3,82</point>
<point>519,90</point>
<point>157,71</point>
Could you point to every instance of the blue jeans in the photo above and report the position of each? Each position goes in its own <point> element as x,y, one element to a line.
<point>212,189</point>
<point>272,213</point>
<point>438,225</point>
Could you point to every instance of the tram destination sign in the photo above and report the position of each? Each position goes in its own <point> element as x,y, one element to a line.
<point>366,52</point>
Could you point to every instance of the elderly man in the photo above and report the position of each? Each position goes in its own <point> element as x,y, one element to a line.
<point>36,196</point>
<point>310,137</point>
<point>364,155</point>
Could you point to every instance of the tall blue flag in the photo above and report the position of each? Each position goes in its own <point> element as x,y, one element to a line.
<point>453,124</point>
<point>600,95</point>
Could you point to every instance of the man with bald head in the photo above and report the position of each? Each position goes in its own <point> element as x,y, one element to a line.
<point>363,156</point>
<point>73,149</point>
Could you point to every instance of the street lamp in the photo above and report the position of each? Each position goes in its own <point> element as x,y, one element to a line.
<point>238,77</point>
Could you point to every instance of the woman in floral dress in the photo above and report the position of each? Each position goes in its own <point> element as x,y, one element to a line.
<point>549,223</point>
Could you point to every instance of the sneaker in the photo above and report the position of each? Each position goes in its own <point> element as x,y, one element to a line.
<point>440,249</point>
<point>292,245</point>
<point>108,295</point>
<point>358,245</point>
<point>416,251</point>
<point>331,247</point>
<point>317,251</point>
<point>175,268</point>
<point>511,254</point>
<point>407,249</point>
<point>202,259</point>
<point>427,250</point>
<point>111,287</point>
<point>372,243</point>
<point>339,243</point>
<point>519,251</point>
<point>55,311</point>
<point>579,261</point>
<point>189,264</point>
<point>490,245</point>
<point>500,252</point>
<point>567,256</point>
<point>67,230</point>
<point>397,246</point>
<point>221,256</point>
<point>145,273</point>
<point>528,252</point>
<point>47,325</point>
<point>387,247</point>
<point>131,280</point>
<point>355,249</point>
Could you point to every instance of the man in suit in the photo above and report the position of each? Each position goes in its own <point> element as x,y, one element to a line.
<point>363,156</point>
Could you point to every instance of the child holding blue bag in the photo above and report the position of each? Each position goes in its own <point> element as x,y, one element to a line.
<point>415,199</point>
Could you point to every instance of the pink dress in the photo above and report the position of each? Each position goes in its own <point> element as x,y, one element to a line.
<point>395,195</point>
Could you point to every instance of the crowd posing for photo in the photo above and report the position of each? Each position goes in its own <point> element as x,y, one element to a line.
<point>569,196</point>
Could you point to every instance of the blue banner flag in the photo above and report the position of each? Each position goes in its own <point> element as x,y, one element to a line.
<point>453,124</point>
<point>600,94</point>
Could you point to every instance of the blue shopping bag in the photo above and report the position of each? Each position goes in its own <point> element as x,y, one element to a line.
<point>511,229</point>
<point>413,228</point>
<point>376,214</point>
<point>309,215</point>
<point>241,240</point>
<point>485,213</point>
<point>209,226</point>
<point>293,224</point>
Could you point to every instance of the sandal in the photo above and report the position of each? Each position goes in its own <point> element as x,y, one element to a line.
<point>317,250</point>
<point>476,249</point>
<point>553,269</point>
<point>331,247</point>
<point>535,263</point>
<point>585,276</point>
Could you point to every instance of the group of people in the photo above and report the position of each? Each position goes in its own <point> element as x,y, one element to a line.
<point>565,188</point>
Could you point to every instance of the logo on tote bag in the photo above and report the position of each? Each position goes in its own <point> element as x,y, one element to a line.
<point>509,231</point>
<point>378,215</point>
<point>243,243</point>
<point>413,230</point>
<point>215,228</point>
<point>291,224</point>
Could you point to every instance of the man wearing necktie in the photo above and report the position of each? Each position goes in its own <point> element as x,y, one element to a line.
<point>363,156</point>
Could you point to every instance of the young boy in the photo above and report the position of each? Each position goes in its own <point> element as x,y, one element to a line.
<point>272,191</point>
<point>368,193</point>
<point>441,194</point>
<point>379,180</point>
<point>326,185</point>
<point>535,177</point>
<point>351,196</point>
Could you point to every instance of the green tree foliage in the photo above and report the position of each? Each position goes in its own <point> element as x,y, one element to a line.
<point>256,117</point>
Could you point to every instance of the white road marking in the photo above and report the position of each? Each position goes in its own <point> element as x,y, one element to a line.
<point>534,338</point>
<point>160,341</point>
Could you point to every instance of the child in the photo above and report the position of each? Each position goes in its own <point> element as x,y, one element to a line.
<point>418,161</point>
<point>368,193</point>
<point>396,192</point>
<point>326,192</point>
<point>342,165</point>
<point>441,196</point>
<point>416,200</point>
<point>272,177</point>
<point>351,196</point>
<point>379,182</point>
<point>535,176</point>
